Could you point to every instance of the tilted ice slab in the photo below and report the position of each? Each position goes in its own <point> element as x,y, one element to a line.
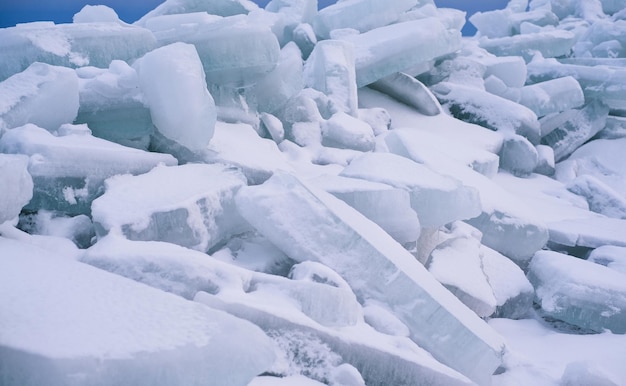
<point>550,43</point>
<point>347,132</point>
<point>194,209</point>
<point>505,22</point>
<point>71,45</point>
<point>610,256</point>
<point>308,224</point>
<point>386,50</point>
<point>553,96</point>
<point>172,81</point>
<point>579,292</point>
<point>69,169</point>
<point>17,185</point>
<point>326,310</point>
<point>42,94</point>
<point>518,155</point>
<point>410,91</point>
<point>68,322</point>
<point>437,199</point>
<point>600,196</point>
<point>385,205</point>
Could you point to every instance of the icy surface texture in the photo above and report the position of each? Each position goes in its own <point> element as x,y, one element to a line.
<point>582,373</point>
<point>610,256</point>
<point>553,96</point>
<point>172,80</point>
<point>346,132</point>
<point>601,197</point>
<point>69,169</point>
<point>549,43</point>
<point>436,199</point>
<point>518,156</point>
<point>216,7</point>
<point>17,185</point>
<point>78,229</point>
<point>114,330</point>
<point>71,45</point>
<point>42,94</point>
<point>409,90</point>
<point>579,292</point>
<point>308,224</point>
<point>195,210</point>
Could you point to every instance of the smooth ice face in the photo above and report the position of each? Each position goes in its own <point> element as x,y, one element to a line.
<point>553,96</point>
<point>579,292</point>
<point>505,22</point>
<point>70,318</point>
<point>195,209</point>
<point>308,224</point>
<point>550,43</point>
<point>410,91</point>
<point>386,50</point>
<point>346,132</point>
<point>172,80</point>
<point>600,196</point>
<point>71,45</point>
<point>17,185</point>
<point>518,156</point>
<point>510,69</point>
<point>437,199</point>
<point>214,7</point>
<point>610,256</point>
<point>44,95</point>
<point>69,169</point>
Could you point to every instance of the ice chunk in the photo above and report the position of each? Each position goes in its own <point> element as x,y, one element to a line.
<point>346,132</point>
<point>601,197</point>
<point>361,15</point>
<point>457,264</point>
<point>273,126</point>
<point>388,207</point>
<point>518,156</point>
<point>436,199</point>
<point>553,96</point>
<point>549,43</point>
<point>78,229</point>
<point>330,69</point>
<point>67,322</point>
<point>610,256</point>
<point>96,14</point>
<point>69,170</point>
<point>488,110</point>
<point>346,375</point>
<point>510,69</point>
<point>386,50</point>
<point>582,373</point>
<point>195,210</point>
<point>545,163</point>
<point>577,129</point>
<point>505,22</point>
<point>214,7</point>
<point>17,186</point>
<point>71,45</point>
<point>44,95</point>
<point>181,107</point>
<point>308,224</point>
<point>383,320</point>
<point>294,15</point>
<point>615,128</point>
<point>409,90</point>
<point>512,290</point>
<point>579,292</point>
<point>377,117</point>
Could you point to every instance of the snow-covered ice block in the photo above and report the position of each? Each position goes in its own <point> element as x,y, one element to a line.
<point>195,209</point>
<point>615,128</point>
<point>513,292</point>
<point>410,91</point>
<point>590,232</point>
<point>553,96</point>
<point>610,256</point>
<point>346,132</point>
<point>294,14</point>
<point>457,264</point>
<point>361,15</point>
<point>331,69</point>
<point>549,43</point>
<point>69,169</point>
<point>214,7</point>
<point>480,107</point>
<point>309,224</point>
<point>510,69</point>
<point>78,229</point>
<point>504,22</point>
<point>44,95</point>
<point>385,205</point>
<point>17,185</point>
<point>545,162</point>
<point>437,199</point>
<point>71,45</point>
<point>585,373</point>
<point>386,50</point>
<point>181,107</point>
<point>112,105</point>
<point>577,129</point>
<point>579,292</point>
<point>518,155</point>
<point>96,14</point>
<point>67,322</point>
<point>600,196</point>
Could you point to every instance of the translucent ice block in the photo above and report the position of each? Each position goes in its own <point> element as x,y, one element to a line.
<point>550,43</point>
<point>213,7</point>
<point>518,156</point>
<point>409,90</point>
<point>553,96</point>
<point>610,256</point>
<point>17,185</point>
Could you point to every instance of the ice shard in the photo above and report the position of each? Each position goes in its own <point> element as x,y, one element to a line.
<point>308,224</point>
<point>17,185</point>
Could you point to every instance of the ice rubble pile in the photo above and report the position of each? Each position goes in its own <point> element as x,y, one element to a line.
<point>338,196</point>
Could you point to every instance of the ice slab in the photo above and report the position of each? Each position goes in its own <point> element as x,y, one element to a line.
<point>195,209</point>
<point>553,96</point>
<point>615,128</point>
<point>71,45</point>
<point>388,207</point>
<point>600,196</point>
<point>510,69</point>
<point>545,163</point>
<point>491,111</point>
<point>505,22</point>
<point>346,132</point>
<point>361,15</point>
<point>331,69</point>
<point>69,169</point>
<point>294,14</point>
<point>172,80</point>
<point>410,91</point>
<point>610,256</point>
<point>17,185</point>
<point>550,43</point>
<point>77,229</point>
<point>590,232</point>
<point>308,224</point>
<point>437,199</point>
<point>579,292</point>
<point>215,7</point>
<point>585,373</point>
<point>518,156</point>
<point>386,50</point>
<point>42,94</point>
<point>112,105</point>
<point>68,322</point>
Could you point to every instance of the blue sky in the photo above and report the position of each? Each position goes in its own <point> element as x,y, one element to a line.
<point>61,11</point>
